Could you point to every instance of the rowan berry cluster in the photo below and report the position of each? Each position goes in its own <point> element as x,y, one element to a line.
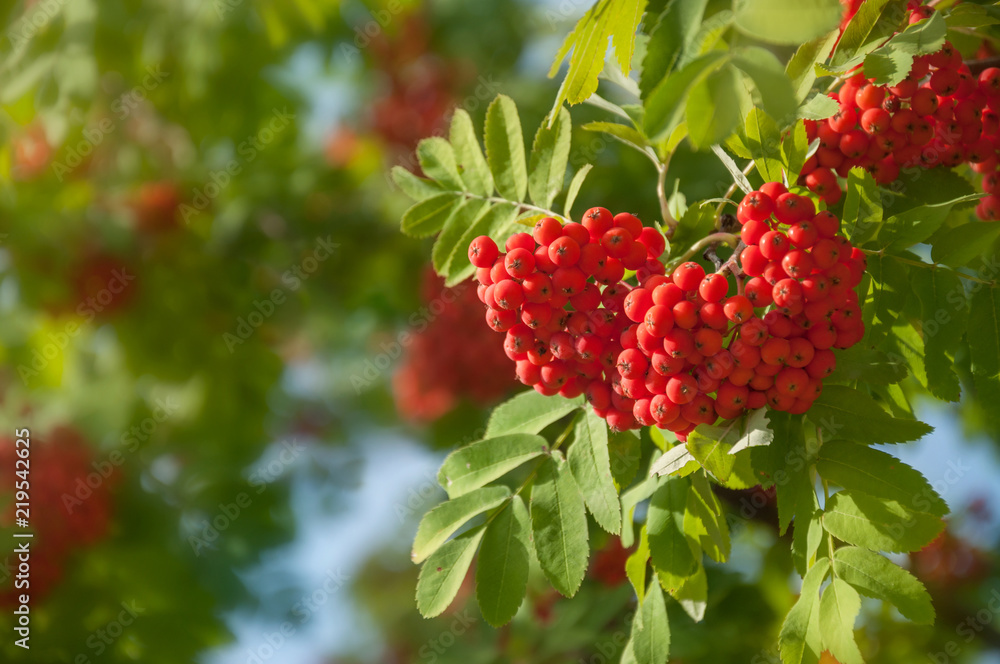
<point>939,115</point>
<point>657,353</point>
<point>71,504</point>
<point>448,356</point>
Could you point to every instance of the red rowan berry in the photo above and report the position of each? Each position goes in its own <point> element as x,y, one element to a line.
<point>483,252</point>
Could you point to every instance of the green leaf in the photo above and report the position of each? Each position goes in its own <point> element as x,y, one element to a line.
<point>429,216</point>
<point>549,155</point>
<point>625,18</point>
<point>443,520</point>
<point>777,96</point>
<point>969,16</point>
<point>591,466</point>
<point>710,445</point>
<point>862,206</point>
<point>693,594</point>
<point>624,133</point>
<point>505,149</point>
<point>665,105</point>
<point>673,460</point>
<point>795,148</point>
<point>875,576</point>
<point>650,634</point>
<point>838,609</point>
<point>859,468</point>
<point>672,37</point>
<point>415,187</point>
<point>668,545</point>
<point>871,366</point>
<point>624,450</point>
<point>471,163</point>
<point>589,42</point>
<point>635,495</point>
<point>818,107</point>
<point>756,431</point>
<point>915,225</point>
<point>705,521</point>
<point>787,21</point>
<point>502,570</point>
<point>848,413</point>
<point>437,160</point>
<point>738,177</point>
<point>443,573</point>
<point>807,535</point>
<point>799,640</point>
<point>559,526</point>
<point>874,22</point>
<point>497,223</point>
<point>801,68</point>
<point>697,222</point>
<point>635,565</point>
<point>958,246</point>
<point>890,64</point>
<point>449,242</point>
<point>711,115</point>
<point>877,524</point>
<point>984,347</point>
<point>529,412</point>
<point>479,463</point>
<point>574,189</point>
<point>764,143</point>
<point>943,323</point>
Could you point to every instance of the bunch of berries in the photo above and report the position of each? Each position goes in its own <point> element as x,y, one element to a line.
<point>939,115</point>
<point>450,356</point>
<point>657,353</point>
<point>71,500</point>
<point>558,296</point>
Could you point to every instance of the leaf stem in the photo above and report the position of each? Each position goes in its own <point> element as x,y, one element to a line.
<point>708,240</point>
<point>932,266</point>
<point>525,206</point>
<point>661,194</point>
<point>732,188</point>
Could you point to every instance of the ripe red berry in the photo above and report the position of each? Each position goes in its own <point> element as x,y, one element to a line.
<point>617,242</point>
<point>755,206</point>
<point>738,309</point>
<point>483,251</point>
<point>546,231</point>
<point>713,287</point>
<point>564,252</point>
<point>629,222</point>
<point>597,221</point>
<point>519,263</point>
<point>773,245</point>
<point>688,275</point>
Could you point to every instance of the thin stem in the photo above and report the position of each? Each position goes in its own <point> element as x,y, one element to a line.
<point>708,240</point>
<point>732,188</point>
<point>661,194</point>
<point>524,206</point>
<point>932,266</point>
